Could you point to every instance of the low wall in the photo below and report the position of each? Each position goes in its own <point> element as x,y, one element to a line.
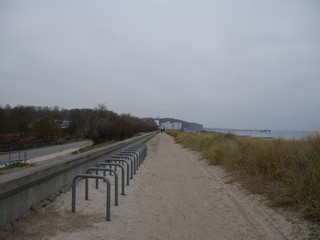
<point>27,187</point>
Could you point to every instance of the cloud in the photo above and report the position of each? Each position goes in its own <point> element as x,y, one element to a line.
<point>221,63</point>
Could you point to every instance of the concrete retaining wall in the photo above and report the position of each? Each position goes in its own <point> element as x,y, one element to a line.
<point>27,187</point>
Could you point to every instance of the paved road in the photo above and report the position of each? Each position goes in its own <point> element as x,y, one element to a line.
<point>36,153</point>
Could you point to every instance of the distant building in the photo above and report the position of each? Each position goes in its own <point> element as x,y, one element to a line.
<point>157,122</point>
<point>63,123</point>
<point>172,125</point>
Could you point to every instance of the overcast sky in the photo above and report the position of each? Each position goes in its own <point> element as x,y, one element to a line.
<point>222,63</point>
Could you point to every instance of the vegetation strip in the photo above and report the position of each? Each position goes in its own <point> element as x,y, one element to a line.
<point>24,127</point>
<point>287,172</point>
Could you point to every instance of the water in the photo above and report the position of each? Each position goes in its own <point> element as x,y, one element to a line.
<point>277,134</point>
<point>271,134</point>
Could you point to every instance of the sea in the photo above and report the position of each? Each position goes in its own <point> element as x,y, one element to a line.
<point>269,134</point>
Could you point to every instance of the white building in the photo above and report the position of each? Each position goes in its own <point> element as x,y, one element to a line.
<point>172,125</point>
<point>157,122</point>
<point>63,123</point>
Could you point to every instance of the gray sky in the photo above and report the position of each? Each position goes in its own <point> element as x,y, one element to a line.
<point>223,63</point>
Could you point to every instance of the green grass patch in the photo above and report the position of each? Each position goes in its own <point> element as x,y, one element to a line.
<point>287,172</point>
<point>14,166</point>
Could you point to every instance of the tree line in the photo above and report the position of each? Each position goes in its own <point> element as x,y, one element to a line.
<point>46,123</point>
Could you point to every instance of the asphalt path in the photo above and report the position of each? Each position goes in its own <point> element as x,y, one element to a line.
<point>40,152</point>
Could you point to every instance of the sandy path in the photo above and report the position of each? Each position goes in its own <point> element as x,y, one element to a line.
<point>173,196</point>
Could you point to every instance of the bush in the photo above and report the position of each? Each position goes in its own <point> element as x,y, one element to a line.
<point>103,125</point>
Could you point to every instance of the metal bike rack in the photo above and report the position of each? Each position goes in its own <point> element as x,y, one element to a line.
<point>122,172</point>
<point>108,197</point>
<point>97,169</point>
<point>142,149</point>
<point>135,154</point>
<point>135,162</point>
<point>115,160</point>
<point>125,158</point>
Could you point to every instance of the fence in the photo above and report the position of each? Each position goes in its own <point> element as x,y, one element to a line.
<point>8,158</point>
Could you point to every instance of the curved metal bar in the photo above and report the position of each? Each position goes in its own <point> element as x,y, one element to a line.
<point>122,173</point>
<point>136,156</point>
<point>123,161</point>
<point>127,158</point>
<point>108,198</point>
<point>142,148</point>
<point>97,169</point>
<point>137,151</point>
<point>135,162</point>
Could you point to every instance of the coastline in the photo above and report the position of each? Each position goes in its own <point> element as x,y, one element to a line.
<point>285,134</point>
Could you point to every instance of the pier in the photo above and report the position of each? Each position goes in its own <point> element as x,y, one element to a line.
<point>240,130</point>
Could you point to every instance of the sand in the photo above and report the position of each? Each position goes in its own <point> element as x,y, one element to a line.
<point>175,195</point>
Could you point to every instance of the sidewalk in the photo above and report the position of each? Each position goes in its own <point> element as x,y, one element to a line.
<point>42,154</point>
<point>54,155</point>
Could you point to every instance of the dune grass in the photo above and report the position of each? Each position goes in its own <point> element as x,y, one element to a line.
<point>287,172</point>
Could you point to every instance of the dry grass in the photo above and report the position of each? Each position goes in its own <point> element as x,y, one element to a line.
<point>13,166</point>
<point>287,172</point>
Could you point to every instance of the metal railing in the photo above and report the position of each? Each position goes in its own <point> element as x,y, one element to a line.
<point>7,158</point>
